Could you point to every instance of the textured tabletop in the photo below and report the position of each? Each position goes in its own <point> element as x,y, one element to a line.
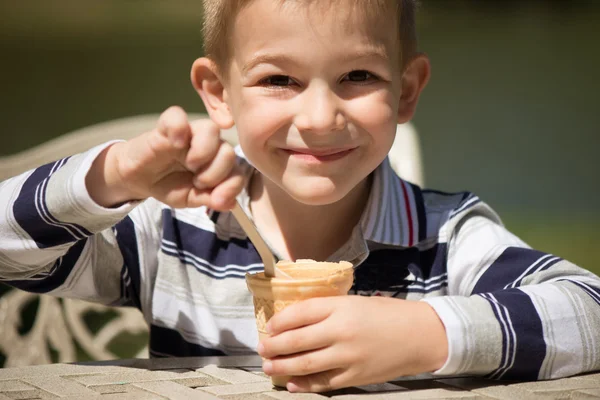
<point>240,378</point>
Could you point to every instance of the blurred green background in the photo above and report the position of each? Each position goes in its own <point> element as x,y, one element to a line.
<point>510,113</point>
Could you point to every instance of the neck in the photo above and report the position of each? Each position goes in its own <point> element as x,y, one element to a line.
<point>300,231</point>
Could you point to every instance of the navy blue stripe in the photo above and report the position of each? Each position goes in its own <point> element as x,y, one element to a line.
<point>60,272</point>
<point>26,214</point>
<point>127,241</point>
<point>209,270</point>
<point>387,270</point>
<point>507,268</point>
<point>530,345</point>
<point>449,194</point>
<point>207,246</point>
<point>169,342</point>
<point>591,291</point>
<point>421,215</point>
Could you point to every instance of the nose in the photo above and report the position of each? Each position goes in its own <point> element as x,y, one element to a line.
<point>319,111</point>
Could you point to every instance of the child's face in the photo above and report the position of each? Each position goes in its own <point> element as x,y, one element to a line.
<point>314,98</point>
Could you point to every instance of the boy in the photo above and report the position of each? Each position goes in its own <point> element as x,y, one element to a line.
<point>315,89</point>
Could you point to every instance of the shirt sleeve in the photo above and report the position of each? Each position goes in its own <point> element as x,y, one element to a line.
<point>513,312</point>
<point>56,240</point>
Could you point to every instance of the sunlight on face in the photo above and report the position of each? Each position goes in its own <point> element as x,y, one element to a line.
<point>314,97</point>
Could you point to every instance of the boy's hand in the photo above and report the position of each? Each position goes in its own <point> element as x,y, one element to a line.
<point>333,342</point>
<point>179,163</point>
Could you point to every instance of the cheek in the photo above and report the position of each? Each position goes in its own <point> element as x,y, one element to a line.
<point>376,109</point>
<point>257,118</point>
<point>377,115</point>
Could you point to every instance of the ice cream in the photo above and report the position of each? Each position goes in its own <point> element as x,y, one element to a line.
<point>310,279</point>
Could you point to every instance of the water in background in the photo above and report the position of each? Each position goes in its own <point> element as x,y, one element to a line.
<point>510,113</point>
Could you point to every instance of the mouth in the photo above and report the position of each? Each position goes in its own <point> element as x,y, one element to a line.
<point>321,155</point>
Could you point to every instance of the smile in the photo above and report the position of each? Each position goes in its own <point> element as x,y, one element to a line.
<point>319,156</point>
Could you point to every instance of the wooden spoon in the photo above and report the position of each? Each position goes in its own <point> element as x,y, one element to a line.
<point>265,253</point>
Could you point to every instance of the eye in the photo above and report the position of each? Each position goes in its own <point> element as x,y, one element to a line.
<point>359,76</point>
<point>277,81</point>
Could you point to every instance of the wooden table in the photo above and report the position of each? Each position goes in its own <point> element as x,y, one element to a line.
<point>241,378</point>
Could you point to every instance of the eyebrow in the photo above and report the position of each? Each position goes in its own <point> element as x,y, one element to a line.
<point>266,58</point>
<point>279,58</point>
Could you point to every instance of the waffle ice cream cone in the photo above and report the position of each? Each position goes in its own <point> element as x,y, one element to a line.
<point>311,279</point>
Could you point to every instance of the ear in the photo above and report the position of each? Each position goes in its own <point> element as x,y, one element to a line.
<point>209,85</point>
<point>414,79</point>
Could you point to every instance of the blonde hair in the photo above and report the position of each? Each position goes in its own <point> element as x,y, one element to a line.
<point>219,16</point>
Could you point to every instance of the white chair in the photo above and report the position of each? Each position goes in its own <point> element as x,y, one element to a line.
<point>60,323</point>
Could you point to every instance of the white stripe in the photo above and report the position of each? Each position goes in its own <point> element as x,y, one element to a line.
<point>211,273</point>
<point>414,214</point>
<point>44,213</point>
<point>427,287</point>
<point>592,291</point>
<point>464,206</point>
<point>388,233</point>
<point>404,216</point>
<point>504,329</point>
<point>373,207</point>
<point>394,217</point>
<point>435,278</point>
<point>82,234</point>
<point>559,303</point>
<point>383,205</point>
<point>510,334</point>
<point>203,265</point>
<point>16,244</point>
<point>534,265</point>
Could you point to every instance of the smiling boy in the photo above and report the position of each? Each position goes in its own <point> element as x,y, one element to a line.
<point>315,90</point>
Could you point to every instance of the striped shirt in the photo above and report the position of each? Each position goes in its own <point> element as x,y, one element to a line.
<point>510,312</point>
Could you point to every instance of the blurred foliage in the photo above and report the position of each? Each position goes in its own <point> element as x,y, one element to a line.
<point>571,237</point>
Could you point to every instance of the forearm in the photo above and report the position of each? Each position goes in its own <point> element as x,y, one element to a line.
<point>539,331</point>
<point>48,211</point>
<point>103,181</point>
<point>431,335</point>
<point>410,336</point>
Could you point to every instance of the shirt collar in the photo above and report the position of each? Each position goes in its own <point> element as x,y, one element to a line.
<point>391,215</point>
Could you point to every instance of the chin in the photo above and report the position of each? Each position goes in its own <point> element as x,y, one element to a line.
<point>317,193</point>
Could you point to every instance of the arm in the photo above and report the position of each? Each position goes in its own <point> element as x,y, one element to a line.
<point>513,312</point>
<point>70,229</point>
<point>52,232</point>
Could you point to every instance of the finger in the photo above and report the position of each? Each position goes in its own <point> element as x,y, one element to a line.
<point>301,364</point>
<point>320,382</point>
<point>308,338</point>
<point>198,198</point>
<point>205,144</point>
<point>306,312</point>
<point>218,169</point>
<point>173,124</point>
<point>222,197</point>
<point>178,192</point>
